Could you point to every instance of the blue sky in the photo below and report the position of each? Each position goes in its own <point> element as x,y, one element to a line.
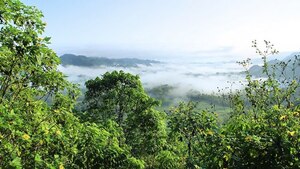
<point>191,27</point>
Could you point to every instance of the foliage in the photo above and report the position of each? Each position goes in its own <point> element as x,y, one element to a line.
<point>113,96</point>
<point>163,94</point>
<point>98,148</point>
<point>268,140</point>
<point>168,160</point>
<point>194,130</point>
<point>37,126</point>
<point>196,96</point>
<point>120,97</point>
<point>121,126</point>
<point>263,128</point>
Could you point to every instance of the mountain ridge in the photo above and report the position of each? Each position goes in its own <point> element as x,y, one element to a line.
<point>287,67</point>
<point>85,61</point>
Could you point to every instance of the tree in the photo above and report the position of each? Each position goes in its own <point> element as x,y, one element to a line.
<point>193,131</point>
<point>37,126</point>
<point>120,97</point>
<point>113,96</point>
<point>263,130</point>
<point>28,75</point>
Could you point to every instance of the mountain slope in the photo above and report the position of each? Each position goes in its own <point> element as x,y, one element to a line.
<point>289,67</point>
<point>84,61</point>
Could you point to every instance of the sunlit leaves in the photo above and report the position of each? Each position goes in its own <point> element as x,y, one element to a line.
<point>263,127</point>
<point>120,97</point>
<point>37,128</point>
<point>195,130</point>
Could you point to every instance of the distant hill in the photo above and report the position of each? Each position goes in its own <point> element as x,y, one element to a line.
<point>289,67</point>
<point>84,61</point>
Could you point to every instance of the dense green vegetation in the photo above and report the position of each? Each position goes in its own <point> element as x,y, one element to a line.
<point>118,125</point>
<point>217,103</point>
<point>84,61</point>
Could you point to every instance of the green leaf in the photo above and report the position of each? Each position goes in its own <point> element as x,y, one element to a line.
<point>37,158</point>
<point>16,163</point>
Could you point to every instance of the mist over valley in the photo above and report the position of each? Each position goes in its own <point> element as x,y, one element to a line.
<point>203,75</point>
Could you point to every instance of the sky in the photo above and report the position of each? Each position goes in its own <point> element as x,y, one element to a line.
<point>169,27</point>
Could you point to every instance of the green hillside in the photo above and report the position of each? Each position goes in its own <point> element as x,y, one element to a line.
<point>84,61</point>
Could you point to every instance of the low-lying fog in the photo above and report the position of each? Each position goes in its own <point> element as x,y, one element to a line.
<point>202,75</point>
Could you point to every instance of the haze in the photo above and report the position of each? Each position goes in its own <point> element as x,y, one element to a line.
<point>141,28</point>
<point>198,41</point>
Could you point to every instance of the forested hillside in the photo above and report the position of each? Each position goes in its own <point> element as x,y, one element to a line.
<point>289,67</point>
<point>84,61</point>
<point>118,125</point>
